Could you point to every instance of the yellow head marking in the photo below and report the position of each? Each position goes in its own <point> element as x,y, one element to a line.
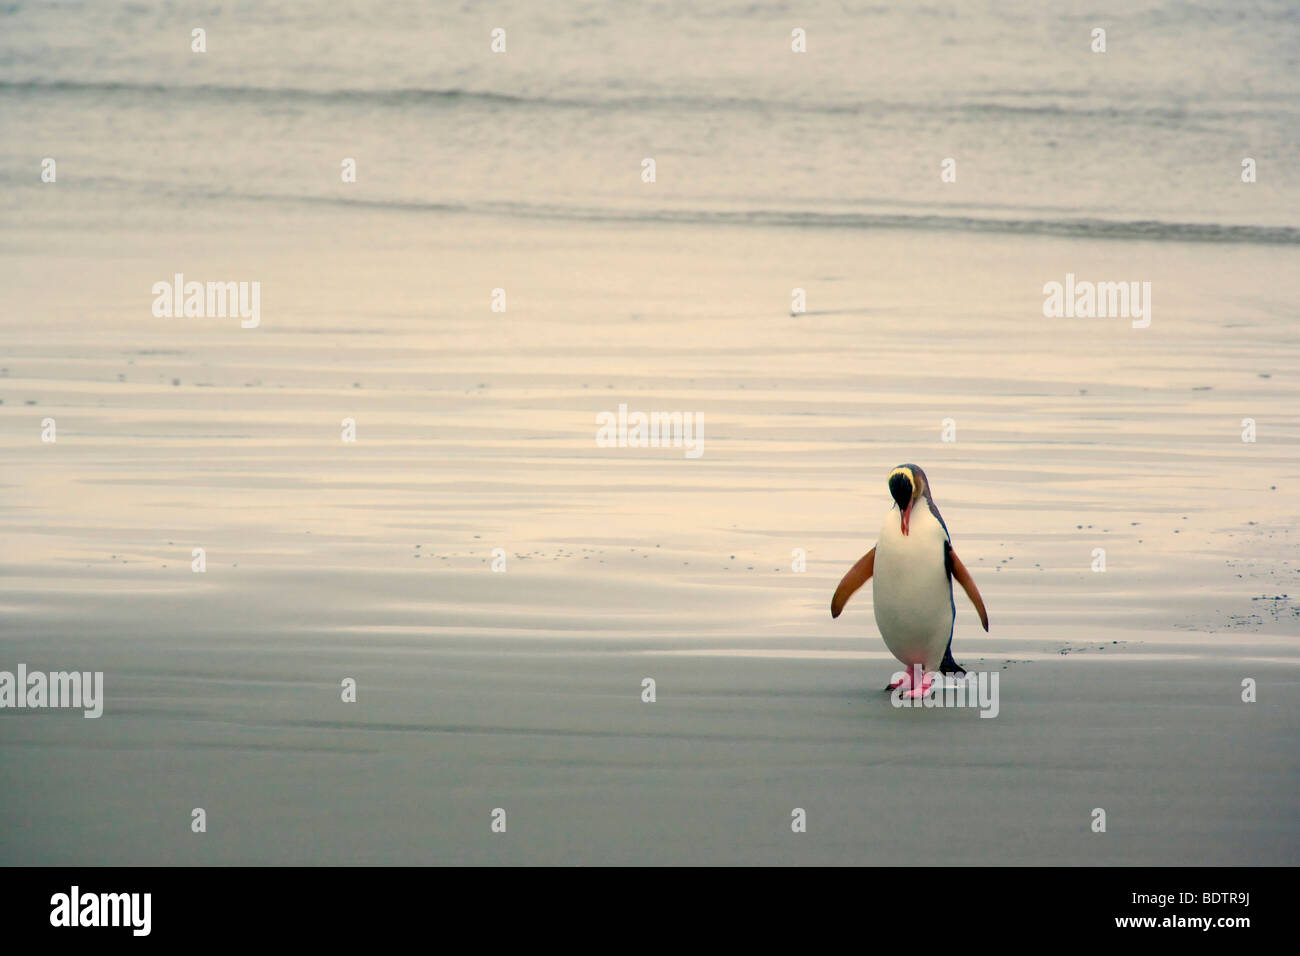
<point>915,479</point>
<point>902,470</point>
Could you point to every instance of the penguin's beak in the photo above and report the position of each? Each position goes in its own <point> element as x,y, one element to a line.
<point>907,517</point>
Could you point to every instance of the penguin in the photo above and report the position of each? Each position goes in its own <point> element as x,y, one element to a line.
<point>913,565</point>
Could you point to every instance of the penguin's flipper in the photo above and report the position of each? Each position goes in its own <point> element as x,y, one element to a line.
<point>858,575</point>
<point>968,585</point>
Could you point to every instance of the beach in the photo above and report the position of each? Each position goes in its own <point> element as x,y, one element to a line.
<point>499,586</point>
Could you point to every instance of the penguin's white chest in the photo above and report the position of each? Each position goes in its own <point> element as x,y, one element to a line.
<point>911,591</point>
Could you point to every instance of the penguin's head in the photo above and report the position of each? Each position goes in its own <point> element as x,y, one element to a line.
<point>906,484</point>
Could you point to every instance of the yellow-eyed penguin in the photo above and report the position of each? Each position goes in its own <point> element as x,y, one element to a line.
<point>913,564</point>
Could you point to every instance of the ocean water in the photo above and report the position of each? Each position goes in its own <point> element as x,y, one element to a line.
<point>1046,133</point>
<point>476,429</point>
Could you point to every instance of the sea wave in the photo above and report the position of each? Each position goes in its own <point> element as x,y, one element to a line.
<point>1078,227</point>
<point>1271,106</point>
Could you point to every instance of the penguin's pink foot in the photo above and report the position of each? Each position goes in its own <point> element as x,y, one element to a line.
<point>920,690</point>
<point>902,679</point>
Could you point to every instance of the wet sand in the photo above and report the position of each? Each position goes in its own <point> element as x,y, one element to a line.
<point>522,689</point>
